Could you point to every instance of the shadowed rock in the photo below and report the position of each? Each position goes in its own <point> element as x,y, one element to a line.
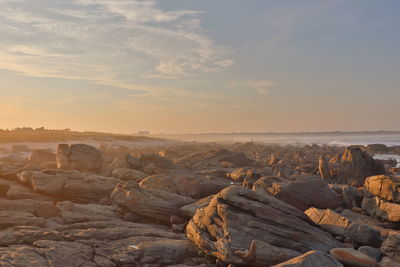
<point>312,258</point>
<point>302,194</point>
<point>337,224</point>
<point>357,165</point>
<point>353,258</point>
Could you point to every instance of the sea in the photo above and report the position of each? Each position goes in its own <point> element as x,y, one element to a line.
<point>324,138</point>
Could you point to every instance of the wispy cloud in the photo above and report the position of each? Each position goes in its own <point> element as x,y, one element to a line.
<point>260,87</point>
<point>120,43</point>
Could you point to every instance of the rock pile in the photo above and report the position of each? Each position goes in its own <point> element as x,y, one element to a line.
<point>195,204</point>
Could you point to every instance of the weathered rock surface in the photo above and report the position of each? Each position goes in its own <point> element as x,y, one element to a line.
<point>302,194</point>
<point>151,204</point>
<point>126,174</point>
<point>336,224</point>
<point>77,213</point>
<point>391,246</point>
<point>20,235</point>
<point>188,211</point>
<point>382,197</point>
<point>353,258</point>
<point>17,190</point>
<point>177,184</point>
<point>214,158</point>
<point>312,258</point>
<point>388,262</point>
<point>80,157</point>
<point>372,252</point>
<point>261,253</point>
<point>350,195</point>
<point>40,156</point>
<point>238,216</point>
<point>383,209</point>
<point>70,185</point>
<point>384,187</point>
<point>357,165</point>
<point>324,170</point>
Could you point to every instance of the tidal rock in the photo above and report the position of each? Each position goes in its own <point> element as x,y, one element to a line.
<point>190,210</point>
<point>60,253</point>
<point>40,156</point>
<point>16,149</point>
<point>391,246</point>
<point>334,223</point>
<point>372,252</point>
<point>389,262</point>
<point>177,184</point>
<point>16,190</point>
<point>324,169</point>
<point>21,256</point>
<point>158,161</point>
<point>302,194</point>
<point>356,165</point>
<point>350,195</point>
<point>70,185</point>
<point>238,175</point>
<point>126,174</point>
<point>312,258</point>
<point>20,218</point>
<point>116,230</point>
<point>77,213</point>
<point>382,197</point>
<point>261,253</point>
<point>353,258</point>
<point>384,187</point>
<point>238,216</point>
<point>133,244</point>
<point>80,157</point>
<point>214,158</point>
<point>27,235</point>
<point>383,209</point>
<point>155,205</point>
<point>147,251</point>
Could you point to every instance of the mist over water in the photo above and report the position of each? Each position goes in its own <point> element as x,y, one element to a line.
<point>336,139</point>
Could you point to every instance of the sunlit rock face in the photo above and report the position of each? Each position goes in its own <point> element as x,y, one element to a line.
<point>80,157</point>
<point>382,197</point>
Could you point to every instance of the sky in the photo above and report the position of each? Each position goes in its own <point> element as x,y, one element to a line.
<point>190,66</point>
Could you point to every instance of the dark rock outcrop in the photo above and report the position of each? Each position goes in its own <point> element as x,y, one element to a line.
<point>356,165</point>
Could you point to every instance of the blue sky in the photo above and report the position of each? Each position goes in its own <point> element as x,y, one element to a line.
<point>200,66</point>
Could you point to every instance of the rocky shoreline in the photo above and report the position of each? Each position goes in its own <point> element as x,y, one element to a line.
<point>199,204</point>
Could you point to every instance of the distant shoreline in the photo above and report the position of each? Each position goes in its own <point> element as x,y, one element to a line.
<point>289,133</point>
